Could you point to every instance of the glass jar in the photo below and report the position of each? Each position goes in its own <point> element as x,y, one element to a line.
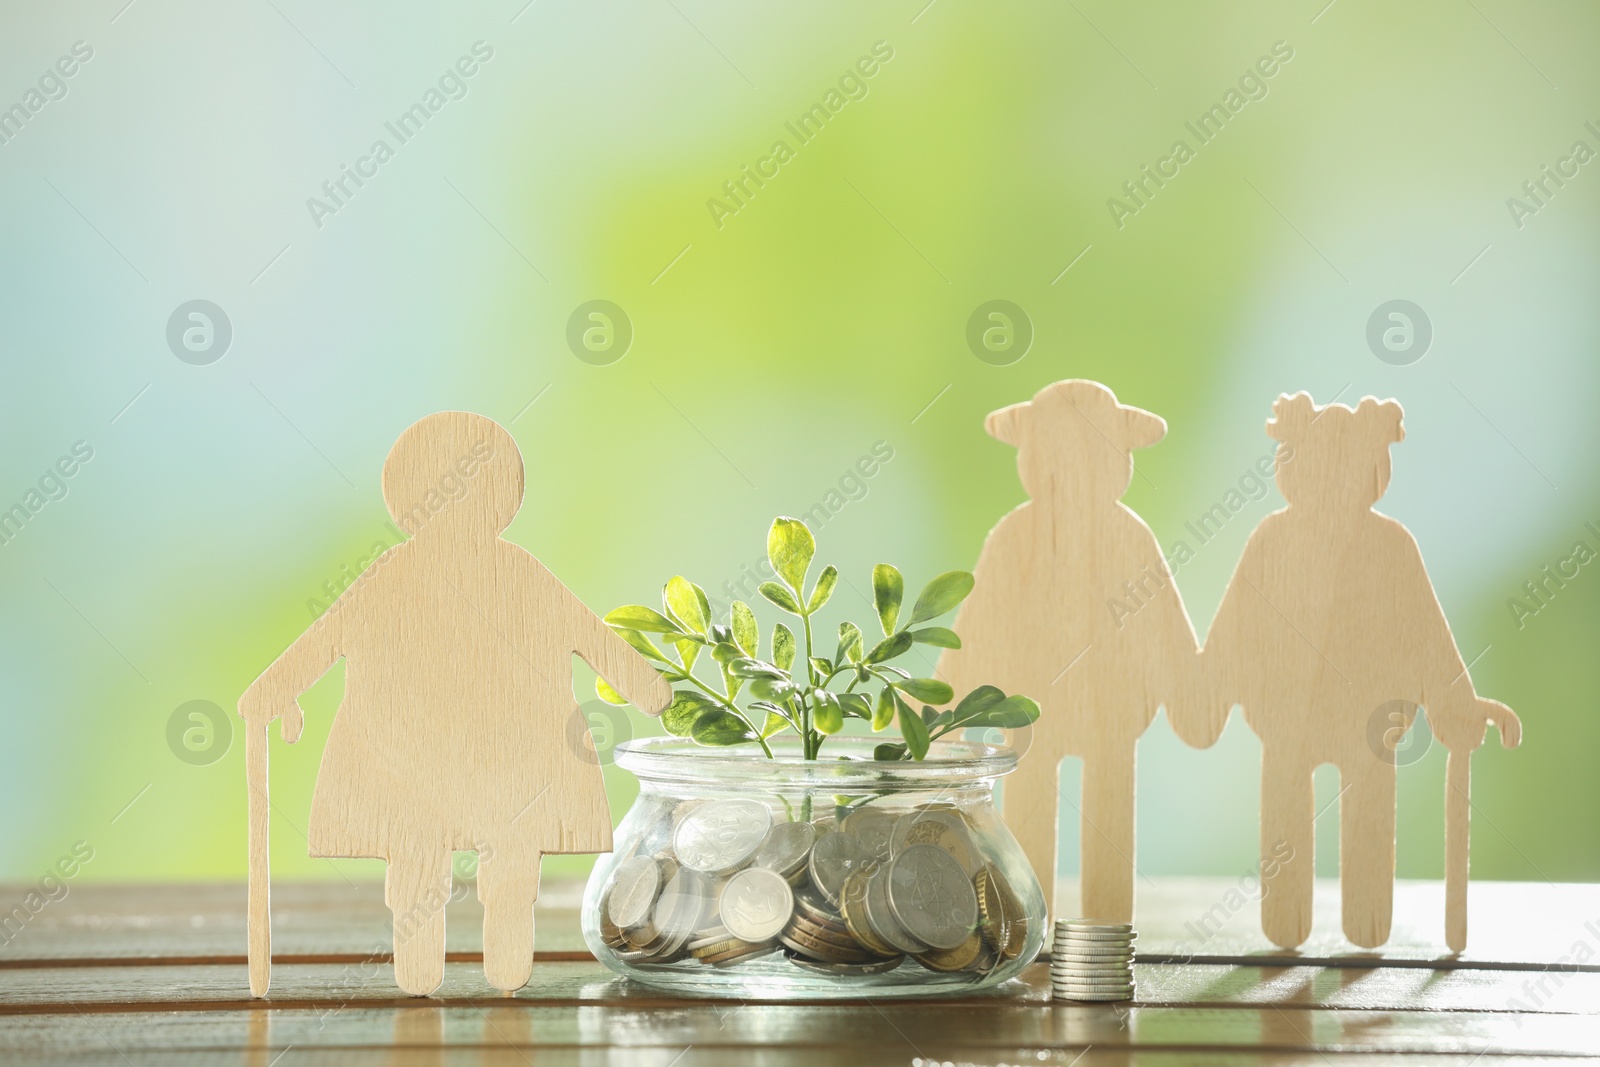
<point>738,875</point>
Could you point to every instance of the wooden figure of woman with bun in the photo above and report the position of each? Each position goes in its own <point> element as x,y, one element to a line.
<point>458,695</point>
<point>1330,636</point>
<point>1074,604</point>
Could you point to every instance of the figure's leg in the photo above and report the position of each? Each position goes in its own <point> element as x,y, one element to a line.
<point>508,884</point>
<point>1288,848</point>
<point>416,888</point>
<point>1366,850</point>
<point>1107,834</point>
<point>1031,800</point>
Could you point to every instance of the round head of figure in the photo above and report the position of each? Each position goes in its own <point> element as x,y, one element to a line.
<point>1334,457</point>
<point>1074,440</point>
<point>453,472</point>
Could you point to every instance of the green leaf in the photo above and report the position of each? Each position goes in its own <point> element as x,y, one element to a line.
<point>745,667</point>
<point>849,643</point>
<point>1012,713</point>
<point>766,688</point>
<point>726,653</point>
<point>686,707</point>
<point>913,730</point>
<point>641,644</point>
<point>883,710</point>
<point>783,646</point>
<point>717,633</point>
<point>888,589</point>
<point>856,705</point>
<point>781,597</point>
<point>639,617</point>
<point>938,636</point>
<point>890,647</point>
<point>929,689</point>
<point>790,547</point>
<point>890,751</point>
<point>775,724</point>
<point>884,670</point>
<point>827,716</point>
<point>940,595</point>
<point>688,651</point>
<point>745,629</point>
<point>687,602</point>
<point>822,666</point>
<point>978,701</point>
<point>721,728</point>
<point>606,693</point>
<point>823,589</point>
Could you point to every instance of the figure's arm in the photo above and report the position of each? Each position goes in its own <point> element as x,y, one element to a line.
<point>1176,679</point>
<point>1220,680</point>
<point>1456,714</point>
<point>611,657</point>
<point>276,692</point>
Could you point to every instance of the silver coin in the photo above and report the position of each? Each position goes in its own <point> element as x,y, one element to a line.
<point>786,847</point>
<point>721,835</point>
<point>1120,992</point>
<point>1092,926</point>
<point>931,896</point>
<point>680,910</point>
<point>881,918</point>
<point>1102,937</point>
<point>634,886</point>
<point>1091,971</point>
<point>874,829</point>
<point>1062,994</point>
<point>756,904</point>
<point>833,859</point>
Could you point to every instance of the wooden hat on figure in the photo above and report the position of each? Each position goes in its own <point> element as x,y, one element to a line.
<point>1075,605</point>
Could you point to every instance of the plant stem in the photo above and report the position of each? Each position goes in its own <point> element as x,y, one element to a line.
<point>728,705</point>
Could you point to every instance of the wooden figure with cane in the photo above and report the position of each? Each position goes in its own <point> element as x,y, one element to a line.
<point>1330,636</point>
<point>459,647</point>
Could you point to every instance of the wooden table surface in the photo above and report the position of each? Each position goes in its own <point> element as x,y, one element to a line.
<point>156,975</point>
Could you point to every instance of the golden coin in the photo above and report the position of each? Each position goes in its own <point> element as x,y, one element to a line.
<point>853,903</point>
<point>956,959</point>
<point>993,920</point>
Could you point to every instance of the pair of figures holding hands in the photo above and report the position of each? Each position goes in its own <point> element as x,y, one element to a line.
<point>1330,620</point>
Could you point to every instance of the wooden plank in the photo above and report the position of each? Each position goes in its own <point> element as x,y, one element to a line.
<point>1517,924</point>
<point>321,986</point>
<point>892,1033</point>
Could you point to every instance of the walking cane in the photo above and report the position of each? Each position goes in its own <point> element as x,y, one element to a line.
<point>1457,824</point>
<point>1458,816</point>
<point>260,915</point>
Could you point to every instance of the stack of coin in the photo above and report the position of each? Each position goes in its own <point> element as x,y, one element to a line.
<point>851,895</point>
<point>1092,960</point>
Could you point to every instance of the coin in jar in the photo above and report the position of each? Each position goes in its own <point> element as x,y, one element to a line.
<point>931,896</point>
<point>874,829</point>
<point>956,959</point>
<point>881,919</point>
<point>833,858</point>
<point>945,830</point>
<point>786,847</point>
<point>721,835</point>
<point>634,887</point>
<point>853,909</point>
<point>756,904</point>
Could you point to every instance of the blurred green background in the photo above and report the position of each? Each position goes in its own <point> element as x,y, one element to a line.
<point>772,346</point>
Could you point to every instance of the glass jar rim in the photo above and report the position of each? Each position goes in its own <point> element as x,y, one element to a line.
<point>948,763</point>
